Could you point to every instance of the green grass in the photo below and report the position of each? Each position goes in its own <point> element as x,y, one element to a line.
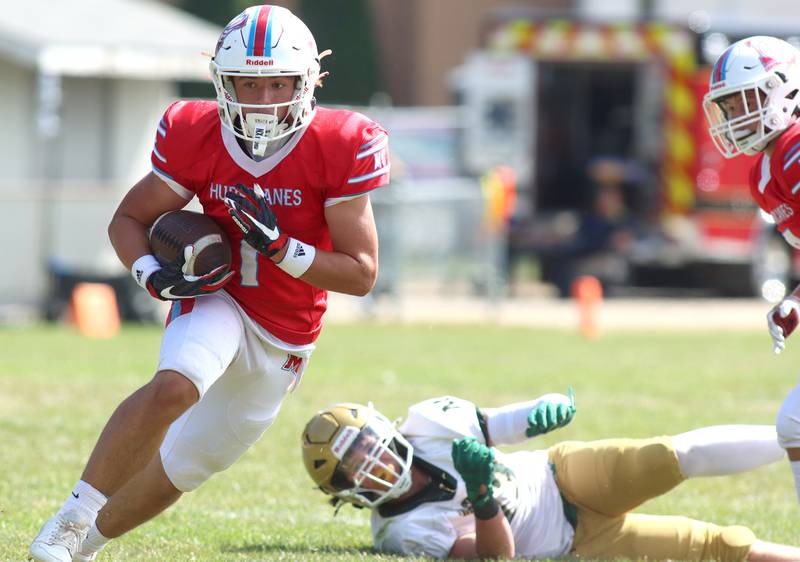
<point>57,390</point>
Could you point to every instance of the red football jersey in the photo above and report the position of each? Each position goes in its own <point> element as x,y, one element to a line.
<point>340,155</point>
<point>775,184</point>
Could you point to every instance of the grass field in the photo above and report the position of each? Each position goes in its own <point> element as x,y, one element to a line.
<point>57,390</point>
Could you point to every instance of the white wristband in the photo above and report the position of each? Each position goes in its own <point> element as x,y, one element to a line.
<point>143,268</point>
<point>298,257</point>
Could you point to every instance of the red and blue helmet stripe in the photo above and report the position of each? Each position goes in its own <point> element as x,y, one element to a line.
<point>259,43</point>
<point>718,72</point>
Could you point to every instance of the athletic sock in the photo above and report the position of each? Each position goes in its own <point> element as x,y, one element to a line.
<point>86,499</point>
<point>93,542</point>
<point>796,473</point>
<point>726,449</point>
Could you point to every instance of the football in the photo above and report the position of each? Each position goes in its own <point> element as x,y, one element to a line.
<point>175,230</point>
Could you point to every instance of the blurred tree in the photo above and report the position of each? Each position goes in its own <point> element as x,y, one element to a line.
<point>345,27</point>
<point>219,12</point>
<point>215,11</point>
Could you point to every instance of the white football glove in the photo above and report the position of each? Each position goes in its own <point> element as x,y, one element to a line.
<point>782,320</point>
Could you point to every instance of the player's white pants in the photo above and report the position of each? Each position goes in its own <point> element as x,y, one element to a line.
<point>788,422</point>
<point>241,378</point>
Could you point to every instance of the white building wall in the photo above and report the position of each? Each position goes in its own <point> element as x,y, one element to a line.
<point>120,119</point>
<point>17,93</point>
<point>63,196</point>
<point>137,108</point>
<point>80,240</point>
<point>20,201</point>
<point>23,279</point>
<point>83,144</point>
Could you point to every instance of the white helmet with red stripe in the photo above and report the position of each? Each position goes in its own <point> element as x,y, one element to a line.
<point>753,94</point>
<point>265,41</point>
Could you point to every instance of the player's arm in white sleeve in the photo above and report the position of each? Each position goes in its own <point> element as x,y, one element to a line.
<point>352,266</point>
<point>516,422</point>
<point>142,205</point>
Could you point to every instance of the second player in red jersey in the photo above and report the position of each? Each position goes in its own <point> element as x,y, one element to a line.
<point>775,184</point>
<point>753,107</point>
<point>289,183</point>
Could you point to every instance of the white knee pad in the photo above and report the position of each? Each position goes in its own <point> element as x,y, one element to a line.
<point>189,463</point>
<point>216,431</point>
<point>787,423</point>
<point>232,415</point>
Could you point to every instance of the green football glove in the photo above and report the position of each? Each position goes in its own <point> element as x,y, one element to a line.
<point>474,461</point>
<point>548,416</point>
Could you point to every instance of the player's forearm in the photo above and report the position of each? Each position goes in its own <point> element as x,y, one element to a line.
<point>129,238</point>
<point>340,272</point>
<point>507,424</point>
<point>493,537</point>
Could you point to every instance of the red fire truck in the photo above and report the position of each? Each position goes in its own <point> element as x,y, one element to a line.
<point>553,97</point>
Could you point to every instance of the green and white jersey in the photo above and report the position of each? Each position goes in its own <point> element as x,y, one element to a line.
<point>430,524</point>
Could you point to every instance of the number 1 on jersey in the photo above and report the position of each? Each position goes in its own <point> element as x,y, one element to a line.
<point>249,267</point>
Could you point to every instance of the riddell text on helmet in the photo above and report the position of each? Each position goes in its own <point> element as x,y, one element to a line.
<point>259,62</point>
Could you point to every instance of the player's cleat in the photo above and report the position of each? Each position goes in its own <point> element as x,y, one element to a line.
<point>60,539</point>
<point>80,557</point>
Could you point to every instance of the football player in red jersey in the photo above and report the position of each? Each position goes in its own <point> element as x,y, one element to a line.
<point>752,106</point>
<point>288,182</point>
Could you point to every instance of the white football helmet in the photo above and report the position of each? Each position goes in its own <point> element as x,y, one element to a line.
<point>356,454</point>
<point>765,73</point>
<point>265,41</point>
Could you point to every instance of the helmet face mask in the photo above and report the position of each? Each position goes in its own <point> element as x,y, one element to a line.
<point>372,465</point>
<point>354,453</point>
<point>265,41</point>
<point>760,78</point>
<point>742,130</point>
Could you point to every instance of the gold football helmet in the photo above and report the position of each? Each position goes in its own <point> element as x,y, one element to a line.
<point>354,453</point>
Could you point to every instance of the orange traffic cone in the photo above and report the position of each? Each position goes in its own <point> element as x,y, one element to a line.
<point>588,294</point>
<point>94,310</point>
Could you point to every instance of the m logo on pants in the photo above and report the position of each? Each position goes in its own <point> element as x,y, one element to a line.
<point>293,364</point>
